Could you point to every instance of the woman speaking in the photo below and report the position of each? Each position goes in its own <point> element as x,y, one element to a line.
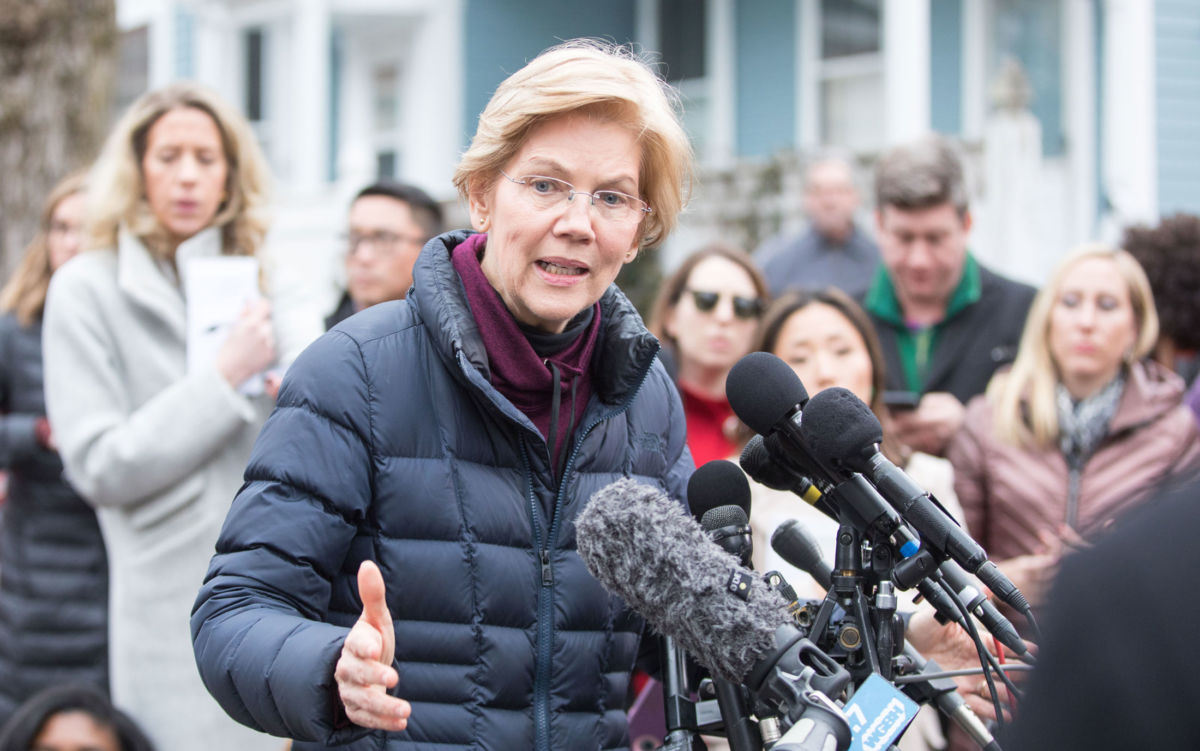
<point>402,556</point>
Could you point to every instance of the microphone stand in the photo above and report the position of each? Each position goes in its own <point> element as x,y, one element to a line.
<point>678,706</point>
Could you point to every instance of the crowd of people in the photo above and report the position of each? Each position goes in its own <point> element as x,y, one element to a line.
<point>390,502</point>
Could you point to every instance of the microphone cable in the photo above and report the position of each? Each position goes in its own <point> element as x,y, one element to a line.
<point>986,661</point>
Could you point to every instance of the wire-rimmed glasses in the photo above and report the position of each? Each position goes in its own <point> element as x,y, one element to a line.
<point>613,205</point>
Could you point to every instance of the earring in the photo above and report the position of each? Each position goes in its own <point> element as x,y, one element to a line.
<point>483,223</point>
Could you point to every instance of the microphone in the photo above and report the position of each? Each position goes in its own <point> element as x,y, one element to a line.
<point>796,545</point>
<point>644,548</point>
<point>757,462</point>
<point>720,497</point>
<point>765,393</point>
<point>843,431</point>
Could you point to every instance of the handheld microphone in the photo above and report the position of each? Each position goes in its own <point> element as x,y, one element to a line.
<point>843,431</point>
<point>644,548</point>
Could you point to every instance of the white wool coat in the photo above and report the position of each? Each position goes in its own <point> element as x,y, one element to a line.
<point>160,453</point>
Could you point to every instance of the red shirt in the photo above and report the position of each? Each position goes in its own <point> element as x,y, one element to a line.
<point>706,420</point>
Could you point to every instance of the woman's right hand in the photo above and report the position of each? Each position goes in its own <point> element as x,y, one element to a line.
<point>250,347</point>
<point>1033,573</point>
<point>364,672</point>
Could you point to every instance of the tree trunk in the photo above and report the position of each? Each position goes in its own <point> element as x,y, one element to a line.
<point>57,61</point>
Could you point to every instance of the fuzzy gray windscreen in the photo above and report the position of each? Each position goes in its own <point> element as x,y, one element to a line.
<point>643,547</point>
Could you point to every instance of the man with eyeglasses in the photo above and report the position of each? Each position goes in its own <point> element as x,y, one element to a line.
<point>389,224</point>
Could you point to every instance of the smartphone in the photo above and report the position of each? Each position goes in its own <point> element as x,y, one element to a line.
<point>900,401</point>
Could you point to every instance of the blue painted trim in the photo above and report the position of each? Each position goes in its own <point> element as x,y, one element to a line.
<point>185,44</point>
<point>335,98</point>
<point>766,86</point>
<point>500,36</point>
<point>945,66</point>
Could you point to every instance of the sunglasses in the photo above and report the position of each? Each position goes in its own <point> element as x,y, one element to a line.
<point>745,308</point>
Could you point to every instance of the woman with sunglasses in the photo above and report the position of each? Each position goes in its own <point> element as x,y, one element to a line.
<point>705,315</point>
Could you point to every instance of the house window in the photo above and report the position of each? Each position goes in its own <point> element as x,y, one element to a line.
<point>850,78</point>
<point>385,118</point>
<point>683,45</point>
<point>256,88</point>
<point>1029,32</point>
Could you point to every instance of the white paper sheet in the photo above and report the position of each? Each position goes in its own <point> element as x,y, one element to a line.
<point>217,289</point>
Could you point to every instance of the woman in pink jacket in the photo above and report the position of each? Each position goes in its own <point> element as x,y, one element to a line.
<point>1082,428</point>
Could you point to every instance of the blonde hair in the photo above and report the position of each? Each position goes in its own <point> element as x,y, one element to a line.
<point>592,77</point>
<point>118,194</point>
<point>1023,399</point>
<point>25,293</point>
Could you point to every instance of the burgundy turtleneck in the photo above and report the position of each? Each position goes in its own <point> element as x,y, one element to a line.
<point>518,372</point>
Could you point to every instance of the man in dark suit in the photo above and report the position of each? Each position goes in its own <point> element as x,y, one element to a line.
<point>945,321</point>
<point>389,224</point>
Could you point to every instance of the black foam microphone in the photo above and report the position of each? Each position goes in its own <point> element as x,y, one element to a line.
<point>766,394</point>
<point>720,498</point>
<point>842,431</point>
<point>644,548</point>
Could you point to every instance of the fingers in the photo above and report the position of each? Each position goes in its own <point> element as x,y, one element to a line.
<point>363,682</point>
<point>370,708</point>
<point>371,590</point>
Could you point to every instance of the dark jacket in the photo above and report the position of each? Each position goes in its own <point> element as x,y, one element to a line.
<point>1119,667</point>
<point>390,444</point>
<point>344,310</point>
<point>53,569</point>
<point>971,344</point>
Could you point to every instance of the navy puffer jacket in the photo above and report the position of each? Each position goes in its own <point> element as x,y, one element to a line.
<point>390,444</point>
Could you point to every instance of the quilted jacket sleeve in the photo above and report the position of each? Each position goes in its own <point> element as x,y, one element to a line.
<point>17,437</point>
<point>261,643</point>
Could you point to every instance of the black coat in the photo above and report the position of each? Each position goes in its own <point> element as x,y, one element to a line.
<point>53,569</point>
<point>1119,667</point>
<point>389,443</point>
<point>971,344</point>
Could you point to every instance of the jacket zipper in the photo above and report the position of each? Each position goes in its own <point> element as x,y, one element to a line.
<point>545,645</point>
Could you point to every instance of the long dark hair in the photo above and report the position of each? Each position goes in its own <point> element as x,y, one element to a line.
<point>27,722</point>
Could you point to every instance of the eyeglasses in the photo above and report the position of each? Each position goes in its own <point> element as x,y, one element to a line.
<point>612,205</point>
<point>381,240</point>
<point>745,308</point>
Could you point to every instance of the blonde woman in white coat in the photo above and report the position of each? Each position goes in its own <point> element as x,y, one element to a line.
<point>157,447</point>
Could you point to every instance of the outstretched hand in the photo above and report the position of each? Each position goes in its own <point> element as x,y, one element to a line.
<point>951,647</point>
<point>364,672</point>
